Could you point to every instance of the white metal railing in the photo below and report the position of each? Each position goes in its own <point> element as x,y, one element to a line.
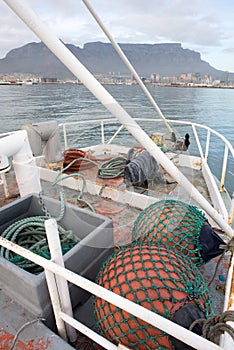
<point>54,271</point>
<point>195,126</point>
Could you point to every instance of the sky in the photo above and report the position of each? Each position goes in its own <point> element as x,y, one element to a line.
<point>206,26</point>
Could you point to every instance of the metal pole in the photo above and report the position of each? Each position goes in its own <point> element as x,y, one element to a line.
<point>207,145</point>
<point>198,141</point>
<point>65,136</point>
<point>76,67</point>
<point>231,213</point>
<point>227,342</point>
<point>129,65</point>
<point>102,131</point>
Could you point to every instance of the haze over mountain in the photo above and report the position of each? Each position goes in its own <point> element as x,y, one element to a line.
<point>101,58</point>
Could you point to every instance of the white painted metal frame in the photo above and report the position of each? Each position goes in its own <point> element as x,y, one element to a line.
<point>53,239</point>
<point>226,341</point>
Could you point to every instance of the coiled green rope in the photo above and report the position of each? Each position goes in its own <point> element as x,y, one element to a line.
<point>112,168</point>
<point>30,234</point>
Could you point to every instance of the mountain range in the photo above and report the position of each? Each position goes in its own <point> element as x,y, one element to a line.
<point>167,59</point>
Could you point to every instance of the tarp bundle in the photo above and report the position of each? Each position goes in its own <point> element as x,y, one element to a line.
<point>142,167</point>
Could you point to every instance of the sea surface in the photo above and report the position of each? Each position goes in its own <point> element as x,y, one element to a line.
<point>70,102</point>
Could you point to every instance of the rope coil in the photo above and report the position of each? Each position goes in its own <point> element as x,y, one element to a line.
<point>112,168</point>
<point>30,234</point>
<point>216,325</point>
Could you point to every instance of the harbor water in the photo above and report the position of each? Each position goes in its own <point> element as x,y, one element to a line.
<point>71,102</point>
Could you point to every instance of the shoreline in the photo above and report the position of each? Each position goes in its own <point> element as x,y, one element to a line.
<point>175,85</point>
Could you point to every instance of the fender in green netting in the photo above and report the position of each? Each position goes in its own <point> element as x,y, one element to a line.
<point>159,279</point>
<point>179,226</point>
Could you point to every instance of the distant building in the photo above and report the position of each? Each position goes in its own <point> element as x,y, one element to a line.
<point>49,80</point>
<point>154,78</point>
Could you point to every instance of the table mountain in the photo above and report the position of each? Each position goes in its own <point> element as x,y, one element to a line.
<point>101,58</point>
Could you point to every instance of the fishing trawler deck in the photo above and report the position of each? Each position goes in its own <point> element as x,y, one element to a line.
<point>71,278</point>
<point>123,217</point>
<point>111,198</point>
<point>99,192</point>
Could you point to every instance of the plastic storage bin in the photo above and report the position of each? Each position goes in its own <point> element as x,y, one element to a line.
<point>85,258</point>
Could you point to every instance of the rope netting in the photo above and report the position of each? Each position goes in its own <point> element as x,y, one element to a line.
<point>174,224</point>
<point>159,279</point>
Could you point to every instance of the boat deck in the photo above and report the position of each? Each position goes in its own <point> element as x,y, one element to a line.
<point>13,316</point>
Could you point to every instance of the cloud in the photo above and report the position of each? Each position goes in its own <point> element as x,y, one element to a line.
<point>229,50</point>
<point>178,21</point>
<point>196,24</point>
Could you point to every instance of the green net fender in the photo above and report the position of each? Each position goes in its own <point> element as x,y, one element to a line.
<point>155,277</point>
<point>174,224</point>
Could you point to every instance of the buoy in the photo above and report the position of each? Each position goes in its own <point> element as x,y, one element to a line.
<point>158,279</point>
<point>180,226</point>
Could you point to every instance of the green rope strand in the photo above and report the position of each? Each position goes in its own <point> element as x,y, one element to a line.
<point>79,197</point>
<point>110,169</point>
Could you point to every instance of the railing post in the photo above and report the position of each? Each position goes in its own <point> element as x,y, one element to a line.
<point>54,296</point>
<point>225,158</point>
<point>198,141</point>
<point>56,256</point>
<point>231,215</point>
<point>65,136</point>
<point>102,130</point>
<point>4,182</point>
<point>207,145</point>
